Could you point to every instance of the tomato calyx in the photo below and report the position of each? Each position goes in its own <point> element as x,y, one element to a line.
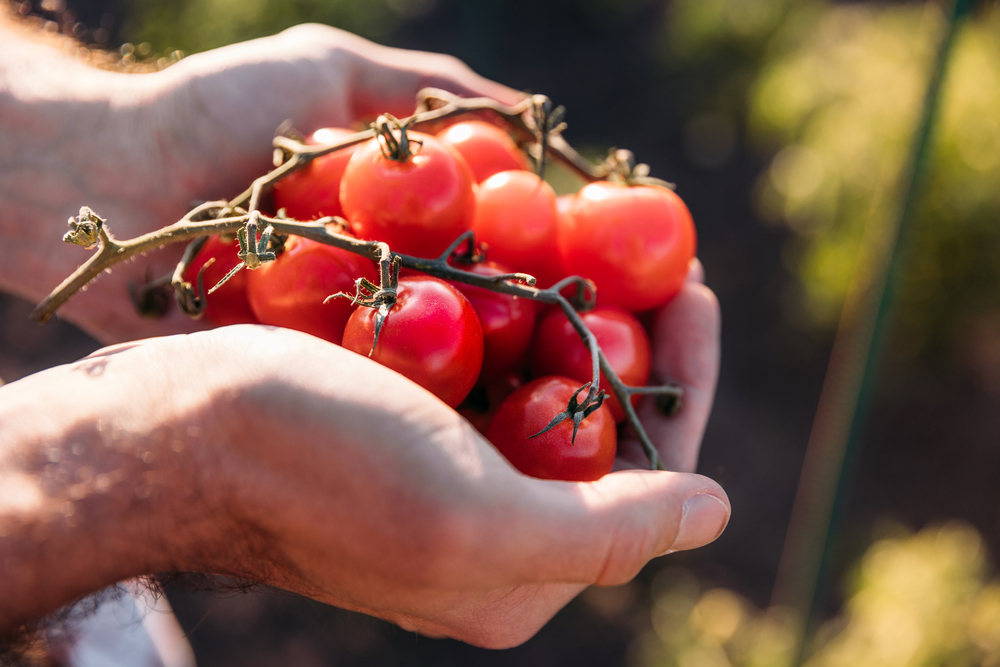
<point>577,410</point>
<point>150,297</point>
<point>396,148</point>
<point>86,229</point>
<point>253,253</point>
<point>621,167</point>
<point>668,405</point>
<point>380,297</point>
<point>548,122</point>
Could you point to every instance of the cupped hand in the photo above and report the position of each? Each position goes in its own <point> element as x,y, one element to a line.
<point>143,149</point>
<point>686,345</point>
<point>328,475</point>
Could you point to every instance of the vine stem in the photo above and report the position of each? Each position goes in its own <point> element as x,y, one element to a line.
<point>526,119</point>
<point>435,105</point>
<point>113,251</point>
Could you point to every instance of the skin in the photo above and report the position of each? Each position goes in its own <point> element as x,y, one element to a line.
<point>265,453</point>
<point>140,149</point>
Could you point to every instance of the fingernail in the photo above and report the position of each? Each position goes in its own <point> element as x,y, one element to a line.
<point>703,519</point>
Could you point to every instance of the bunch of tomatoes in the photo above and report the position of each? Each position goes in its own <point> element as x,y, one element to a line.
<point>508,364</point>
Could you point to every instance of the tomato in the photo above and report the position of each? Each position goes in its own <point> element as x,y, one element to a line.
<point>634,242</point>
<point>432,336</point>
<point>481,404</point>
<point>564,203</point>
<point>507,321</point>
<point>314,191</point>
<point>486,147</point>
<point>559,350</point>
<point>516,218</point>
<point>552,455</point>
<point>227,305</point>
<point>289,291</point>
<point>417,206</point>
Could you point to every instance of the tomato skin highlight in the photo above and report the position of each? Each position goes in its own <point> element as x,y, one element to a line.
<point>289,291</point>
<point>551,455</point>
<point>229,304</point>
<point>508,321</point>
<point>486,148</point>
<point>517,218</point>
<point>635,242</point>
<point>314,191</point>
<point>558,350</point>
<point>432,336</point>
<point>418,206</point>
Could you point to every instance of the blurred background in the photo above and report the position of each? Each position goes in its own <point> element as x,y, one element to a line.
<point>789,127</point>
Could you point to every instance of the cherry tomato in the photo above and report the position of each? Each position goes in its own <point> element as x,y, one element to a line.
<point>289,291</point>
<point>227,305</point>
<point>417,206</point>
<point>507,321</point>
<point>559,350</point>
<point>516,218</point>
<point>314,191</point>
<point>552,455</point>
<point>564,203</point>
<point>486,147</point>
<point>432,336</point>
<point>634,242</point>
<point>481,404</point>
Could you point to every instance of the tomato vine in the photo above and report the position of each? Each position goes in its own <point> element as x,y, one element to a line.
<point>533,120</point>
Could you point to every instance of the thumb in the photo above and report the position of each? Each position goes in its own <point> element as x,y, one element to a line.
<point>604,532</point>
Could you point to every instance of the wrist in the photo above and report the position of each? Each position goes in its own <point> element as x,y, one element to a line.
<point>95,487</point>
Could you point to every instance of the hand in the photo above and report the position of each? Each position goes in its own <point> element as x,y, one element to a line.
<point>685,345</point>
<point>270,455</point>
<point>141,149</point>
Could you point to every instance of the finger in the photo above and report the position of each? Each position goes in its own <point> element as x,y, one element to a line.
<point>388,79</point>
<point>696,271</point>
<point>604,532</point>
<point>685,353</point>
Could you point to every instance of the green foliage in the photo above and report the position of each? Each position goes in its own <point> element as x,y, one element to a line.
<point>835,94</point>
<point>914,601</point>
<point>199,25</point>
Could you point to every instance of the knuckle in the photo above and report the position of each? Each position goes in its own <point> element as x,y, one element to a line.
<point>450,66</point>
<point>309,31</point>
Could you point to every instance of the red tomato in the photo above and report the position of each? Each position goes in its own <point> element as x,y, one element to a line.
<point>516,217</point>
<point>229,304</point>
<point>432,336</point>
<point>481,404</point>
<point>552,455</point>
<point>634,242</point>
<point>486,147</point>
<point>558,350</point>
<point>314,191</point>
<point>418,206</point>
<point>507,321</point>
<point>564,203</point>
<point>289,291</point>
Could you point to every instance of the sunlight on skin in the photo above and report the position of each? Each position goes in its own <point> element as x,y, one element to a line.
<point>268,454</point>
<point>19,495</point>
